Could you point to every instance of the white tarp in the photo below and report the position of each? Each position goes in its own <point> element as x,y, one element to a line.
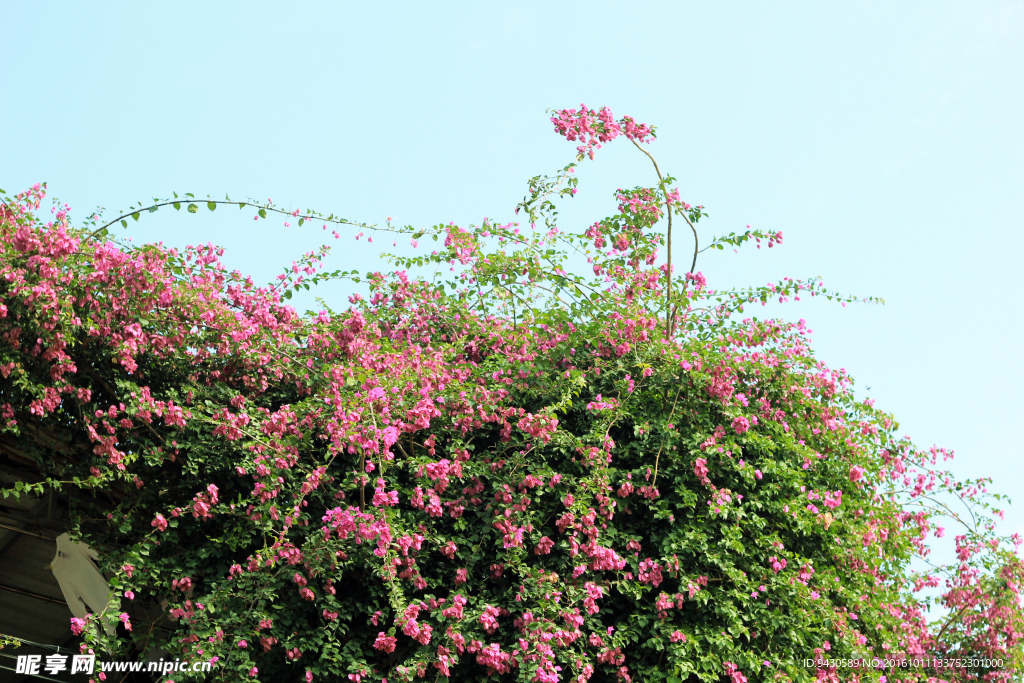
<point>80,579</point>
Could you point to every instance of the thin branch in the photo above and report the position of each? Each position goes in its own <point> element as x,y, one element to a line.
<point>950,622</point>
<point>696,241</point>
<point>654,482</point>
<point>668,268</point>
<point>193,200</point>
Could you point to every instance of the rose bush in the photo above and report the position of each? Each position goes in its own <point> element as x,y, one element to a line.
<point>498,465</point>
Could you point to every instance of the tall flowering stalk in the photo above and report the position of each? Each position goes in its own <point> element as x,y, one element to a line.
<point>492,467</point>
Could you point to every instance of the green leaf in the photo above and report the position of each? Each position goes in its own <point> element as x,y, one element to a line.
<point>211,205</point>
<point>192,208</point>
<point>135,215</point>
<point>124,223</point>
<point>263,213</point>
<point>177,206</point>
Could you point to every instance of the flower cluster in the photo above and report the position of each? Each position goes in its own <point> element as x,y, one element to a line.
<point>591,128</point>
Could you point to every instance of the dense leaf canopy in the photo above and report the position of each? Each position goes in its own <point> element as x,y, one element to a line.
<point>497,465</point>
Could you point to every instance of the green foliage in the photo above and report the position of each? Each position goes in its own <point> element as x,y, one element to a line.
<point>511,469</point>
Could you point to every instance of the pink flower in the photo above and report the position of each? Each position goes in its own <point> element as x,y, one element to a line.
<point>385,642</point>
<point>700,468</point>
<point>544,546</point>
<point>734,673</point>
<point>455,611</point>
<point>856,473</point>
<point>460,576</point>
<point>160,522</point>
<point>650,572</point>
<point>242,644</point>
<point>77,625</point>
<point>488,618</point>
<point>697,278</point>
<point>740,424</point>
<point>253,671</point>
<point>309,677</point>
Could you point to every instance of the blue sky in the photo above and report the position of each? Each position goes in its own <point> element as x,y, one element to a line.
<point>883,139</point>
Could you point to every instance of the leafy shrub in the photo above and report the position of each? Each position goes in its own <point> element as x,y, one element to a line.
<point>513,469</point>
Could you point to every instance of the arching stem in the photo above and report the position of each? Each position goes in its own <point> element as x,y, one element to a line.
<point>670,313</point>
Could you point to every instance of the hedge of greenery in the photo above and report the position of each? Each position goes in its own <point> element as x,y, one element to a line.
<point>501,465</point>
